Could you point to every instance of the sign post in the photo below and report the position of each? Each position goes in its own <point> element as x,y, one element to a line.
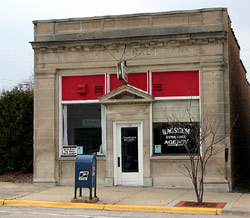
<point>122,74</point>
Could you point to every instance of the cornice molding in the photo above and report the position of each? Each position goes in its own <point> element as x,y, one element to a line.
<point>86,47</point>
<point>135,38</point>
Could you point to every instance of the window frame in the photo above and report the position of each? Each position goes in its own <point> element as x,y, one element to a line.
<point>152,129</point>
<point>103,126</point>
<point>60,116</point>
<point>175,125</point>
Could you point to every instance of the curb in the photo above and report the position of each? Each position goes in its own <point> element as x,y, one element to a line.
<point>111,207</point>
<point>52,204</point>
<point>163,209</point>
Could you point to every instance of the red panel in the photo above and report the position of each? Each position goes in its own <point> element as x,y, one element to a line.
<point>138,80</point>
<point>114,82</point>
<point>175,83</point>
<point>94,87</point>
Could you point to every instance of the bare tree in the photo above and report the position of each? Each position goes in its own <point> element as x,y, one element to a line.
<point>202,140</point>
<point>209,142</point>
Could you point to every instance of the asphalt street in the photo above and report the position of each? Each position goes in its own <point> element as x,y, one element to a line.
<point>38,212</point>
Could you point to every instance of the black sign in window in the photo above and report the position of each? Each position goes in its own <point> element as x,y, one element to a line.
<point>175,138</point>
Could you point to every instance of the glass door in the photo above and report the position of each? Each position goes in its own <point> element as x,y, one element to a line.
<point>128,154</point>
<point>129,151</point>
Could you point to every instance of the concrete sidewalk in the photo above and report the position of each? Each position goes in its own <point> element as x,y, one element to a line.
<point>122,198</point>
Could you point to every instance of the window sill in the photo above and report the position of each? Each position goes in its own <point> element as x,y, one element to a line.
<point>174,157</point>
<point>67,158</point>
<point>100,158</point>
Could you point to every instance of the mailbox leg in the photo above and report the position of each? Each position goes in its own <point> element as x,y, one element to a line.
<point>90,193</point>
<point>95,180</point>
<point>80,192</point>
<point>75,192</point>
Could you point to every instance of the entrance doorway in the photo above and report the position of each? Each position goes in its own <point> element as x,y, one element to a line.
<point>128,163</point>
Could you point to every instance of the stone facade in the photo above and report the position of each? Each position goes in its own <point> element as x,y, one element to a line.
<point>179,40</point>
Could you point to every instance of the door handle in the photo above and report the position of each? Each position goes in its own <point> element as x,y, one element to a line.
<point>118,161</point>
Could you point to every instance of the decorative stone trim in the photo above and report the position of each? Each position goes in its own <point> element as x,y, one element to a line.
<point>40,47</point>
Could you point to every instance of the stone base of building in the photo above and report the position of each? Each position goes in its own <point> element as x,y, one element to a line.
<point>147,182</point>
<point>47,181</point>
<point>217,185</point>
<point>109,182</point>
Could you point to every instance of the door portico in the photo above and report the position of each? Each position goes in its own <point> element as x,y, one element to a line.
<point>127,137</point>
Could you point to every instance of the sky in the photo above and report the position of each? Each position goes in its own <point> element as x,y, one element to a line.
<point>16,16</point>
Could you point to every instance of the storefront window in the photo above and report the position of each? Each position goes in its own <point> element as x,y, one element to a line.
<point>82,128</point>
<point>175,126</point>
<point>175,138</point>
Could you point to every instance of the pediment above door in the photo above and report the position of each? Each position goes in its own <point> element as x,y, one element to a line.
<point>126,95</point>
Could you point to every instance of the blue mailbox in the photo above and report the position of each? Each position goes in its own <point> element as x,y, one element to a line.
<point>85,174</point>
